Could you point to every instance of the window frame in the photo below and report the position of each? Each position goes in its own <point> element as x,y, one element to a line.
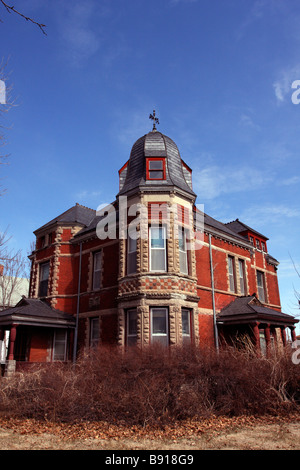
<point>94,341</point>
<point>156,337</point>
<point>232,275</point>
<point>242,279</point>
<point>186,338</point>
<point>96,271</point>
<point>56,342</point>
<point>43,291</point>
<point>131,254</point>
<point>183,252</point>
<point>131,338</point>
<point>261,288</point>
<point>164,249</point>
<point>148,169</point>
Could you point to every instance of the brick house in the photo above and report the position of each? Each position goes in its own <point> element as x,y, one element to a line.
<point>149,268</point>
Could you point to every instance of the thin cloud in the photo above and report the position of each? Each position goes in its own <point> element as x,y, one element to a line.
<point>79,35</point>
<point>213,181</point>
<point>264,215</point>
<point>283,85</point>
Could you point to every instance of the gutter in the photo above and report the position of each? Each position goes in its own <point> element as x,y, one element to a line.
<point>77,309</point>
<point>213,295</point>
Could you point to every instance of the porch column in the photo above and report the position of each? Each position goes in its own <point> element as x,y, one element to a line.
<point>12,339</point>
<point>293,333</point>
<point>10,366</point>
<point>268,338</point>
<point>256,336</point>
<point>283,335</point>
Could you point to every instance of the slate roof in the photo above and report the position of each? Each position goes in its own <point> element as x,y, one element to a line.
<point>35,312</point>
<point>217,226</point>
<point>155,144</point>
<point>249,309</point>
<point>77,214</point>
<point>238,227</point>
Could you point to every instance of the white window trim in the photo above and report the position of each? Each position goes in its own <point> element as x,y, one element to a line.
<point>164,249</point>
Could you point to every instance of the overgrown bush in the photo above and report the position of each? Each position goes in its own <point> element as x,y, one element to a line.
<point>153,386</point>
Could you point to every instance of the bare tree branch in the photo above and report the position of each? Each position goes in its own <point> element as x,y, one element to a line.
<point>13,273</point>
<point>11,9</point>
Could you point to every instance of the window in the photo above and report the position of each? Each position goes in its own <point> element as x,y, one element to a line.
<point>94,332</point>
<point>262,342</point>
<point>59,345</point>
<point>159,326</point>
<point>257,244</point>
<point>156,169</point>
<point>97,264</point>
<point>183,259</point>
<point>131,327</point>
<point>251,240</point>
<point>158,259</point>
<point>186,325</point>
<point>44,277</point>
<point>131,255</point>
<point>242,276</point>
<point>261,286</point>
<point>232,284</point>
<point>263,246</point>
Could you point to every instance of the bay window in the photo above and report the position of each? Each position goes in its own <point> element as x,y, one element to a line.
<point>159,326</point>
<point>158,250</point>
<point>183,256</point>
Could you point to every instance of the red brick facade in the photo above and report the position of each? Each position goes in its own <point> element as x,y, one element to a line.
<point>90,278</point>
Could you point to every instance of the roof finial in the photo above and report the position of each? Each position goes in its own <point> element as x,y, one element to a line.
<point>154,119</point>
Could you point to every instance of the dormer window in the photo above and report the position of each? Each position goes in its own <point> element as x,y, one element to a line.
<point>156,169</point>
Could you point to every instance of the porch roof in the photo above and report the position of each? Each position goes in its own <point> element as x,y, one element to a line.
<point>35,312</point>
<point>249,309</point>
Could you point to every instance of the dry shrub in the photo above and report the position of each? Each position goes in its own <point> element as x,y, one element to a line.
<point>154,386</point>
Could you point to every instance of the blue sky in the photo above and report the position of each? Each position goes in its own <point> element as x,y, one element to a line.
<point>219,74</point>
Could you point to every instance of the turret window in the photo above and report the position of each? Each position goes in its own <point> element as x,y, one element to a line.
<point>156,169</point>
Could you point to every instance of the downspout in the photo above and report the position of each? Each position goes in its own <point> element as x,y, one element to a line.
<point>213,295</point>
<point>77,310</point>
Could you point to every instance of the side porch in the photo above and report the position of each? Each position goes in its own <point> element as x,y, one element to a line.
<point>33,332</point>
<point>246,318</point>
